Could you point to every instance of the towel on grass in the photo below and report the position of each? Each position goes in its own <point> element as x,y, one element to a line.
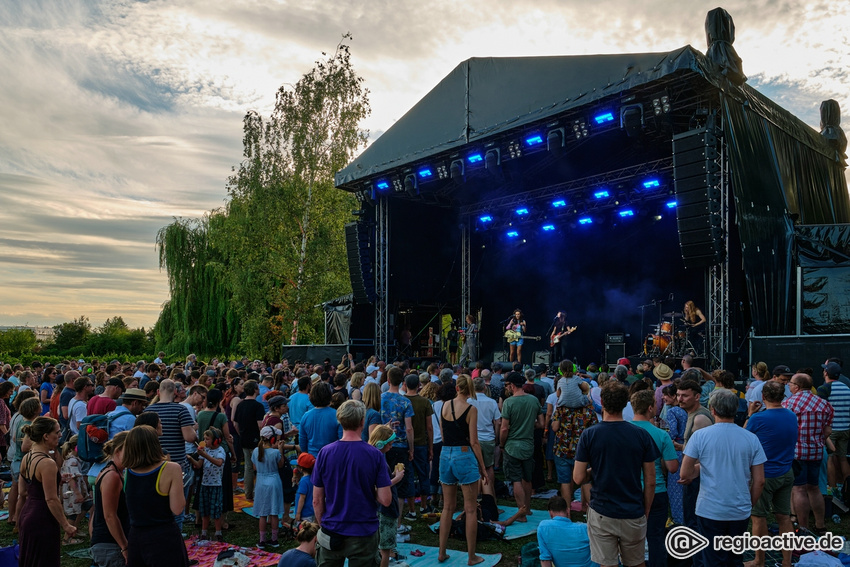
<point>517,529</point>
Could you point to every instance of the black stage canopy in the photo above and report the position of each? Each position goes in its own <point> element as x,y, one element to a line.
<point>522,144</point>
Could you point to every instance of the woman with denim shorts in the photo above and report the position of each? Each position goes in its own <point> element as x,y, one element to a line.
<point>461,464</point>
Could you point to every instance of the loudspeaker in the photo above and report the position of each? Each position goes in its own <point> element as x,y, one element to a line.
<point>614,352</point>
<point>358,246</point>
<point>541,357</point>
<point>697,176</point>
<point>501,356</point>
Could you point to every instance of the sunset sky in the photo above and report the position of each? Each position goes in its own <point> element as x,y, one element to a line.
<point>117,116</point>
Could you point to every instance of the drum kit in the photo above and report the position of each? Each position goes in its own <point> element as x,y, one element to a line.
<point>666,339</point>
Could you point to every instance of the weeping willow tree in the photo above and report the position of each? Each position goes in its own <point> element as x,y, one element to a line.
<point>198,317</point>
<point>277,248</point>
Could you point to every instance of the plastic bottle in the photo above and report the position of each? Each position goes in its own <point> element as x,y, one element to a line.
<point>836,519</point>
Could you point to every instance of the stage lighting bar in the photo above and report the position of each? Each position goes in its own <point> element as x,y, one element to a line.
<point>475,158</point>
<point>601,194</point>
<point>382,185</point>
<point>559,203</point>
<point>425,173</point>
<point>672,204</point>
<point>522,211</point>
<point>625,213</point>
<point>585,220</point>
<point>534,140</point>
<point>580,129</point>
<point>651,184</point>
<point>485,218</point>
<point>603,118</point>
<point>548,227</point>
<point>512,234</point>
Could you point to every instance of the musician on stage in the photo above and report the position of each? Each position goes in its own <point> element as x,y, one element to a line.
<point>695,321</point>
<point>469,353</point>
<point>560,330</point>
<point>517,323</point>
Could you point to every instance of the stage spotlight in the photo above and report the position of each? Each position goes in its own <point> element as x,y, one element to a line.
<point>661,104</point>
<point>425,173</point>
<point>485,218</point>
<point>457,170</point>
<point>548,227</point>
<point>555,140</point>
<point>534,140</point>
<point>382,185</point>
<point>651,184</point>
<point>411,186</point>
<point>559,203</point>
<point>492,160</point>
<point>603,118</point>
<point>580,129</point>
<point>585,220</point>
<point>522,211</point>
<point>625,213</point>
<point>475,158</point>
<point>512,234</point>
<point>671,204</point>
<point>631,120</point>
<point>656,218</point>
<point>601,194</point>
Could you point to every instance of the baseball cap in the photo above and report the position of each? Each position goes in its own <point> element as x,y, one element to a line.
<point>306,461</point>
<point>278,401</point>
<point>624,362</point>
<point>115,382</point>
<point>782,370</point>
<point>515,378</point>
<point>832,368</point>
<point>371,368</point>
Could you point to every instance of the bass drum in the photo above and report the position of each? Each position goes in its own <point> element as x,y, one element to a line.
<point>656,344</point>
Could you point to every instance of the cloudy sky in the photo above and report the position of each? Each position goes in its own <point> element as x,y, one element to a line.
<point>116,116</point>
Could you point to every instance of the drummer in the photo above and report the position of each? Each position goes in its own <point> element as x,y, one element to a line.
<point>695,321</point>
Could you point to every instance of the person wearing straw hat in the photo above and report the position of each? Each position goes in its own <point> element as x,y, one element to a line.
<point>122,418</point>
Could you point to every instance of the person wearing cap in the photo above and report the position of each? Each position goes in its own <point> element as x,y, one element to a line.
<point>665,376</point>
<point>122,418</point>
<point>372,374</point>
<point>838,395</point>
<point>814,421</point>
<point>105,402</point>
<point>304,494</point>
<point>521,415</point>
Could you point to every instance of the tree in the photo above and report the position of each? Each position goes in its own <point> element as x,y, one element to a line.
<point>72,334</point>
<point>17,341</point>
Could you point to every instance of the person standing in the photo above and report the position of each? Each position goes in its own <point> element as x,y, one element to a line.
<point>105,402</point>
<point>560,330</point>
<point>814,424</point>
<point>423,444</point>
<point>299,402</point>
<point>837,394</point>
<point>247,420</point>
<point>469,352</point>
<point>77,406</point>
<point>521,413</point>
<point>731,466</point>
<point>110,519</point>
<point>350,480</point>
<point>517,324</point>
<point>489,425</point>
<point>398,411</point>
<point>123,417</point>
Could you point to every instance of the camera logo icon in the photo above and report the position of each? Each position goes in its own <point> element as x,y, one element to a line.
<point>682,542</point>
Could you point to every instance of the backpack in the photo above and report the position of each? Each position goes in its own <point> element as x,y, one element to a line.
<point>94,432</point>
<point>530,555</point>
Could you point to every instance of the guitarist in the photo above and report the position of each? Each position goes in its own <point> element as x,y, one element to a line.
<point>560,329</point>
<point>517,323</point>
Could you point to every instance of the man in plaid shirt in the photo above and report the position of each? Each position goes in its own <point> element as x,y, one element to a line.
<point>814,421</point>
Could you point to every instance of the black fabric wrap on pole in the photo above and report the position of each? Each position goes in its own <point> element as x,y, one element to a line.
<point>824,255</point>
<point>720,35</point>
<point>830,129</point>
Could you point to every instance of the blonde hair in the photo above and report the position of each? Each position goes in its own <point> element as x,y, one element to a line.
<point>429,391</point>
<point>380,433</point>
<point>306,531</point>
<point>762,371</point>
<point>357,380</point>
<point>372,396</point>
<point>69,446</point>
<point>465,386</point>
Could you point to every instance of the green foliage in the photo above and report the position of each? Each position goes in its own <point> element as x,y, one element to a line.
<point>17,341</point>
<point>72,334</point>
<point>251,273</point>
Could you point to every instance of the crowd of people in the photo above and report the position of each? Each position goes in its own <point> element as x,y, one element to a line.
<point>342,452</point>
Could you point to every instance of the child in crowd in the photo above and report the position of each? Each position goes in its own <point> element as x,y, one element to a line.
<point>303,555</point>
<point>76,499</point>
<point>304,494</point>
<point>266,459</point>
<point>382,438</point>
<point>572,390</point>
<point>211,502</point>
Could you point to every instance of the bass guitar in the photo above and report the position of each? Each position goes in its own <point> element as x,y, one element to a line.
<point>555,339</point>
<point>514,336</point>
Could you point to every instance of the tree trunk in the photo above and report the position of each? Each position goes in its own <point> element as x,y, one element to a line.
<point>302,259</point>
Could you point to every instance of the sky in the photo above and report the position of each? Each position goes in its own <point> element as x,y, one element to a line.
<point>116,117</point>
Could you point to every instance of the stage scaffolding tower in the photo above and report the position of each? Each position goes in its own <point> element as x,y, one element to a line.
<point>382,263</point>
<point>719,333</point>
<point>465,275</point>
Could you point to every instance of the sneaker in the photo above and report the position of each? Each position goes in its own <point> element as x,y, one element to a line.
<point>219,537</point>
<point>410,516</point>
<point>261,545</point>
<point>273,543</point>
<point>402,538</point>
<point>402,529</point>
<point>427,510</point>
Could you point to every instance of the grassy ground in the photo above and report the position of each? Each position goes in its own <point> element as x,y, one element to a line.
<point>243,532</point>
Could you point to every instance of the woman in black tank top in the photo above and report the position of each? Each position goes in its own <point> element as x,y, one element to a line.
<point>110,519</point>
<point>461,464</point>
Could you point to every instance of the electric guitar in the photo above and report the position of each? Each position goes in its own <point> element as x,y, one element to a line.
<point>555,339</point>
<point>514,336</point>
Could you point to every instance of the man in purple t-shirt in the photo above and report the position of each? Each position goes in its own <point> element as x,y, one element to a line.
<point>350,480</point>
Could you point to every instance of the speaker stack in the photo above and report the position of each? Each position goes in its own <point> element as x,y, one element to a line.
<point>358,245</point>
<point>615,347</point>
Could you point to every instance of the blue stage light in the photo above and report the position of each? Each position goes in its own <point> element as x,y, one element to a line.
<point>651,184</point>
<point>513,234</point>
<point>672,205</point>
<point>585,220</point>
<point>534,140</point>
<point>603,194</point>
<point>424,173</point>
<point>475,158</point>
<point>486,218</point>
<point>604,118</point>
<point>522,211</point>
<point>558,204</point>
<point>383,185</point>
<point>626,213</point>
<point>548,227</point>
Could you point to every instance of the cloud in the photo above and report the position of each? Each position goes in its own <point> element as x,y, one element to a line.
<point>119,116</point>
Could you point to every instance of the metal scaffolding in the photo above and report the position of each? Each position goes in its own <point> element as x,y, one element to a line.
<point>465,275</point>
<point>719,334</point>
<point>382,263</point>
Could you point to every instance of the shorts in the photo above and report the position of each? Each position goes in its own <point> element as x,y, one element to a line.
<point>776,496</point>
<point>613,537</point>
<point>211,502</point>
<point>487,452</point>
<point>517,470</point>
<point>458,465</point>
<point>387,532</point>
<point>16,471</point>
<point>564,468</point>
<point>840,439</point>
<point>516,343</point>
<point>809,473</point>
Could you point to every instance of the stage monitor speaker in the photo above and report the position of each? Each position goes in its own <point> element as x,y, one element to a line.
<point>358,245</point>
<point>697,176</point>
<point>501,356</point>
<point>614,352</point>
<point>541,357</point>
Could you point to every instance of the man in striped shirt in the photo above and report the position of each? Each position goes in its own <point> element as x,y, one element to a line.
<point>838,395</point>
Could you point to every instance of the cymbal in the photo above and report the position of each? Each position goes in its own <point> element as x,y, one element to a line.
<point>672,314</point>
